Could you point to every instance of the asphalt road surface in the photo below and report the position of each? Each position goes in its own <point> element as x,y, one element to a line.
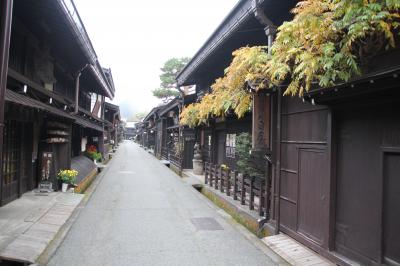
<point>141,213</point>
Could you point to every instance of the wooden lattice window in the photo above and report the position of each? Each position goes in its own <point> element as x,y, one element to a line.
<point>11,152</point>
<point>230,145</point>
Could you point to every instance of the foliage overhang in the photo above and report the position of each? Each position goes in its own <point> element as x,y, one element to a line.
<point>327,42</point>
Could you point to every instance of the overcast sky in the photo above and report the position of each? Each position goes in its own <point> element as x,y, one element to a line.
<point>135,38</point>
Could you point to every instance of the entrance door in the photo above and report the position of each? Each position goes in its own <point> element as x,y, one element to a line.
<point>391,209</point>
<point>17,160</point>
<point>188,154</point>
<point>221,138</point>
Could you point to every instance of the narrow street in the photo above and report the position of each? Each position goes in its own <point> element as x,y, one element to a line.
<point>142,214</point>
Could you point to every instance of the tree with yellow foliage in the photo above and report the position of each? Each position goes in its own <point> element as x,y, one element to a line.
<point>328,42</point>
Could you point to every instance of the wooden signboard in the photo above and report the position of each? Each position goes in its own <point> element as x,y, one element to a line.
<point>47,161</point>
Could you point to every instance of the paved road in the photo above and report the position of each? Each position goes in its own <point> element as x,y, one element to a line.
<point>141,213</point>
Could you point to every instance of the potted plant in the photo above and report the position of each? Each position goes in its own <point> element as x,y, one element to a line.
<point>67,178</point>
<point>91,152</point>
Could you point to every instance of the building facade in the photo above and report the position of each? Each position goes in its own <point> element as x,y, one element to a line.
<point>53,89</point>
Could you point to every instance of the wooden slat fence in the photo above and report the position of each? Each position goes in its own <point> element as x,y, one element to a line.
<point>250,191</point>
<point>164,153</point>
<point>175,160</point>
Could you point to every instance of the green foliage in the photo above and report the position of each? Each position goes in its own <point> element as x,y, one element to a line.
<point>246,165</point>
<point>170,70</point>
<point>165,93</point>
<point>94,156</point>
<point>329,41</point>
<point>67,176</point>
<point>91,152</point>
<point>229,92</point>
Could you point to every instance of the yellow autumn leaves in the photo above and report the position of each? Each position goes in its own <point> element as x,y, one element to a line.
<point>326,43</point>
<point>229,93</point>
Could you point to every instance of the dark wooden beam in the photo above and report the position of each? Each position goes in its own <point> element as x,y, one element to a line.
<point>5,34</point>
<point>37,87</point>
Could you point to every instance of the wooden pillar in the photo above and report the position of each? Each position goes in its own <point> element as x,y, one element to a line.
<point>261,121</point>
<point>5,35</point>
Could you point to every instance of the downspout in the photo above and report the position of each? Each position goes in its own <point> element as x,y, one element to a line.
<point>270,31</point>
<point>5,35</point>
<point>76,111</point>
<point>278,159</point>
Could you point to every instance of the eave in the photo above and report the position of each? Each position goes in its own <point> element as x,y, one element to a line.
<point>171,105</point>
<point>374,85</point>
<point>244,26</point>
<point>68,9</point>
<point>242,11</point>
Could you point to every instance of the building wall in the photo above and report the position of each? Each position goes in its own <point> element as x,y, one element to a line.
<point>368,183</point>
<point>304,172</point>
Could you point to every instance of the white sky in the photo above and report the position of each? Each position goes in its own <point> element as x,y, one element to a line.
<point>135,38</point>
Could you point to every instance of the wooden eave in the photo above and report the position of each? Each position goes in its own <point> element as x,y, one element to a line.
<point>235,18</point>
<point>240,28</point>
<point>170,106</point>
<point>35,86</point>
<point>372,85</point>
<point>66,31</point>
<point>23,100</point>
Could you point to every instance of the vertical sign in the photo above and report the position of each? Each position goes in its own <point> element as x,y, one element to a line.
<point>47,161</point>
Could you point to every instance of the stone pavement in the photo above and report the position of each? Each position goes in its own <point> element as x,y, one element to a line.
<point>141,213</point>
<point>28,224</point>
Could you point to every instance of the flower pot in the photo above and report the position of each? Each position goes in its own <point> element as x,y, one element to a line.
<point>197,167</point>
<point>64,187</point>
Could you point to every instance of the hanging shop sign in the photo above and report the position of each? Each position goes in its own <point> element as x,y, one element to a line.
<point>57,132</point>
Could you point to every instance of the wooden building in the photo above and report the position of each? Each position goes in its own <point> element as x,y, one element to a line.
<point>112,117</point>
<point>131,130</point>
<point>54,91</point>
<point>148,129</point>
<point>246,25</point>
<point>174,143</point>
<point>333,157</point>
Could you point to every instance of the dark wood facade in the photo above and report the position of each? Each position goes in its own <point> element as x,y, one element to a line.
<point>54,95</point>
<point>334,154</point>
<point>113,126</point>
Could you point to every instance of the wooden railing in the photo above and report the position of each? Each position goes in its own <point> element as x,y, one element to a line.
<point>164,153</point>
<point>175,160</point>
<point>251,191</point>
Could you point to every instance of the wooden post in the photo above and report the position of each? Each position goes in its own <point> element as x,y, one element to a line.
<point>222,179</point>
<point>235,185</point>
<point>6,8</point>
<point>262,196</point>
<point>267,193</point>
<point>242,191</point>
<point>251,204</point>
<point>228,182</point>
<point>206,173</point>
<point>211,168</point>
<point>216,176</point>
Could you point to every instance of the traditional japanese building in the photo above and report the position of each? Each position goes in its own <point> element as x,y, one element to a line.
<point>149,129</point>
<point>113,125</point>
<point>332,157</point>
<point>53,92</point>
